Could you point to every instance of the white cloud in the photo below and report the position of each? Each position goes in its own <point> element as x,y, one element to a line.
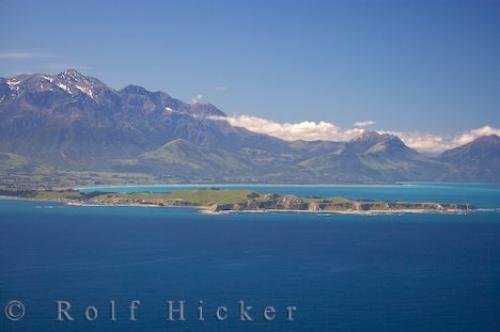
<point>364,123</point>
<point>306,130</point>
<point>423,142</point>
<point>23,55</point>
<point>197,98</point>
<point>471,135</point>
<point>220,88</point>
<point>433,143</point>
<point>310,131</point>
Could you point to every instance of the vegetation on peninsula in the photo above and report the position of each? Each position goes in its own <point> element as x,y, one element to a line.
<point>226,200</point>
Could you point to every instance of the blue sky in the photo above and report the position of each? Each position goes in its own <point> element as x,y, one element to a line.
<point>413,66</point>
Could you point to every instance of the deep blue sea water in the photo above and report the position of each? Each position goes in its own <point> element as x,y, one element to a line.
<point>412,272</point>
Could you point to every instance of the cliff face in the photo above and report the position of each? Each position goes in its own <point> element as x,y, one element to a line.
<point>264,202</point>
<point>294,203</point>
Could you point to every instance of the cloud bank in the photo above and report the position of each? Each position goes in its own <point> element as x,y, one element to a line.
<point>307,130</point>
<point>433,143</point>
<point>310,131</point>
<point>364,123</point>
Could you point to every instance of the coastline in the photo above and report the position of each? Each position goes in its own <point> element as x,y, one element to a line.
<point>346,212</point>
<point>207,210</point>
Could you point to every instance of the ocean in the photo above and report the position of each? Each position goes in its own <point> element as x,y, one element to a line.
<point>330,272</point>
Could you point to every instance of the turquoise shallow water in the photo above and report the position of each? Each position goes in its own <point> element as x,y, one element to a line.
<point>343,272</point>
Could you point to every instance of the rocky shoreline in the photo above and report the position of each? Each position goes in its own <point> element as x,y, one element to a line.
<point>222,201</point>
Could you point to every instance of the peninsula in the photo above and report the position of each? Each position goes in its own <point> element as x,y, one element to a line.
<point>217,200</point>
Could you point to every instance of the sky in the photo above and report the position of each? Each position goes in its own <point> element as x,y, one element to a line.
<point>428,70</point>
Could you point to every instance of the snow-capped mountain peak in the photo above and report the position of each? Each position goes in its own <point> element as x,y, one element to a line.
<point>69,82</point>
<point>74,82</point>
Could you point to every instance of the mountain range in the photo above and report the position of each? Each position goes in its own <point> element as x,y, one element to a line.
<point>76,124</point>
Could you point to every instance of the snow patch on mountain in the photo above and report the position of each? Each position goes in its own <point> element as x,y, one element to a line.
<point>64,87</point>
<point>13,84</point>
<point>85,89</point>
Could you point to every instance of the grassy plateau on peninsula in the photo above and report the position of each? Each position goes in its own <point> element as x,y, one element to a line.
<point>226,200</point>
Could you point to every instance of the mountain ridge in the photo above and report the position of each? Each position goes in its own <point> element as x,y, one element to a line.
<point>72,122</point>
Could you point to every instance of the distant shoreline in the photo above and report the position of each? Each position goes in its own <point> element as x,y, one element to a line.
<point>216,201</point>
<point>206,210</point>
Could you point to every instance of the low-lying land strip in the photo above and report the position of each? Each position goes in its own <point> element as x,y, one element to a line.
<point>218,200</point>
